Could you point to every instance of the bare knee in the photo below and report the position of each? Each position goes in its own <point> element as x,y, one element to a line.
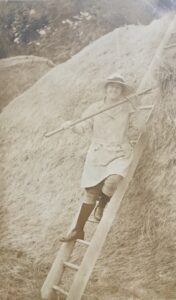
<point>92,194</point>
<point>110,184</point>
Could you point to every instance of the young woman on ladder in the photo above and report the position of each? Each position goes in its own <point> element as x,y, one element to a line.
<point>110,153</point>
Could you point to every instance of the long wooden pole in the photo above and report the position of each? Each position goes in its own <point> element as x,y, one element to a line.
<point>99,112</point>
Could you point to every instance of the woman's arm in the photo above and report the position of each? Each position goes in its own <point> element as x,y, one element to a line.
<point>136,117</point>
<point>83,126</point>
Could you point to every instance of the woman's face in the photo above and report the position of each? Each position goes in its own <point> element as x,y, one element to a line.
<point>113,92</point>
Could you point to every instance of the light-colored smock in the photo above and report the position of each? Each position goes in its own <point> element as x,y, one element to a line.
<point>110,151</point>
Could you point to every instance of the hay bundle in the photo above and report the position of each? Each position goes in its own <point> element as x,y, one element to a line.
<point>19,73</point>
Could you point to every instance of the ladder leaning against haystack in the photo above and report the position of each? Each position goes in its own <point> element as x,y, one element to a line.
<point>51,289</point>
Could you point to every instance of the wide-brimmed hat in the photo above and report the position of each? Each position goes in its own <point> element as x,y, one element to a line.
<point>119,79</point>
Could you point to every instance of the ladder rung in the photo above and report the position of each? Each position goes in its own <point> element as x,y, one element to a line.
<point>146,107</point>
<point>133,141</point>
<point>93,221</point>
<point>71,266</point>
<point>83,242</point>
<point>170,46</point>
<point>60,290</point>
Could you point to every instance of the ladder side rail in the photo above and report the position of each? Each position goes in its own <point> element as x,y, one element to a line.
<point>161,47</point>
<point>56,271</point>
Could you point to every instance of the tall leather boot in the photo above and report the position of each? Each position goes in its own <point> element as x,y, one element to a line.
<point>99,209</point>
<point>78,231</point>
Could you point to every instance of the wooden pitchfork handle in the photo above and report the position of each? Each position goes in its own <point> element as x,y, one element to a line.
<point>101,111</point>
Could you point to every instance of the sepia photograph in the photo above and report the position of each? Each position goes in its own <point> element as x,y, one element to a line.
<point>88,150</point>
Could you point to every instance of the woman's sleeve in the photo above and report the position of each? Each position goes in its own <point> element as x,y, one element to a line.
<point>86,125</point>
<point>137,119</point>
<point>131,107</point>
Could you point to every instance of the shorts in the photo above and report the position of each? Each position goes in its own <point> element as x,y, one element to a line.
<point>107,187</point>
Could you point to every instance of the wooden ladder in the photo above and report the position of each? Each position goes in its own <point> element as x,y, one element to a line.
<point>51,289</point>
<point>93,248</point>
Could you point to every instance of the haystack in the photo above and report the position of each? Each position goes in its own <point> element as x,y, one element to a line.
<point>18,74</point>
<point>40,183</point>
